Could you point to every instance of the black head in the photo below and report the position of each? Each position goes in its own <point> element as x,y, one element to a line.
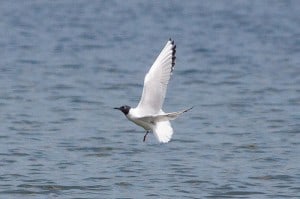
<point>125,109</point>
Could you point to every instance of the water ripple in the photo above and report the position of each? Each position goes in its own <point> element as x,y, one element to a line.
<point>65,64</point>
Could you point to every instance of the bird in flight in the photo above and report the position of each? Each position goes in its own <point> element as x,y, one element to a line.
<point>148,113</point>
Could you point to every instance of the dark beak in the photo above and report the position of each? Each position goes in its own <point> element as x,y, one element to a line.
<point>117,108</point>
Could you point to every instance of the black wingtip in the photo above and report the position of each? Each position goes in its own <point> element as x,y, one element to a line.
<point>171,40</point>
<point>174,50</point>
<point>173,54</point>
<point>188,109</point>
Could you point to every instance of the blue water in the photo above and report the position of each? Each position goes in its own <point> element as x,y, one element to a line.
<point>65,64</point>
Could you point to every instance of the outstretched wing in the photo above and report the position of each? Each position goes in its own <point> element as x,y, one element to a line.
<point>163,116</point>
<point>156,81</point>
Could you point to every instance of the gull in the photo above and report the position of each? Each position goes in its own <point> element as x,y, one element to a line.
<point>148,113</point>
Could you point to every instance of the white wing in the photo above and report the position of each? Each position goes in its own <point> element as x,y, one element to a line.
<point>156,81</point>
<point>163,116</point>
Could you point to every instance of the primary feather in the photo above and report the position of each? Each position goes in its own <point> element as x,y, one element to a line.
<point>156,81</point>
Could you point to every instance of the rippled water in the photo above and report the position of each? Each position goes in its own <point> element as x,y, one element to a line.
<point>65,64</point>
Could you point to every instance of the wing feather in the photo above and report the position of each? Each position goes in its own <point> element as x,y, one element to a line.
<point>156,81</point>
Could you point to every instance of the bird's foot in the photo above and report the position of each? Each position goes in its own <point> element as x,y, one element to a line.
<point>145,136</point>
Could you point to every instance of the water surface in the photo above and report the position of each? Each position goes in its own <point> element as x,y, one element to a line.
<point>64,65</point>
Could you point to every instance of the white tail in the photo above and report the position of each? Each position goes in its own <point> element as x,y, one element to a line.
<point>161,126</point>
<point>163,131</point>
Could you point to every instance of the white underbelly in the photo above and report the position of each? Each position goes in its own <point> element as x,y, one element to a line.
<point>145,125</point>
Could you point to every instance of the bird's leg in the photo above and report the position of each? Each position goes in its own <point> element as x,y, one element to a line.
<point>145,136</point>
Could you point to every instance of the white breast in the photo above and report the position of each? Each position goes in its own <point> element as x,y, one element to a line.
<point>134,116</point>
